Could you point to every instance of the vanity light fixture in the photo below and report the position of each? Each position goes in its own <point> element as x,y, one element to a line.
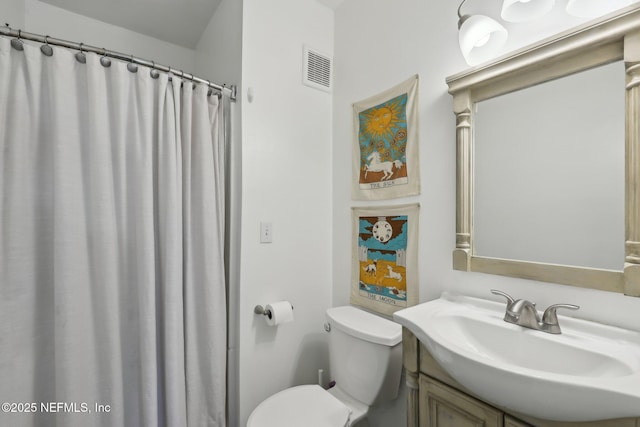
<point>594,8</point>
<point>527,10</point>
<point>480,37</point>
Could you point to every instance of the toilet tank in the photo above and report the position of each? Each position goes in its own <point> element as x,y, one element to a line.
<point>365,353</point>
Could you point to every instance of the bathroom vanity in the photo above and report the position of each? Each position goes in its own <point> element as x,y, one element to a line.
<point>469,363</point>
<point>435,399</point>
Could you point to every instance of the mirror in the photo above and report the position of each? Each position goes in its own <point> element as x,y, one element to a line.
<point>550,190</point>
<point>549,172</point>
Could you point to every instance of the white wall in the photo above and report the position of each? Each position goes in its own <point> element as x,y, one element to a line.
<point>379,44</point>
<point>12,13</point>
<point>286,175</point>
<point>42,18</point>
<point>219,51</point>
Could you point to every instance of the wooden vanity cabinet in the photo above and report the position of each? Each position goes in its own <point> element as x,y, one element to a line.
<point>443,406</point>
<point>434,399</point>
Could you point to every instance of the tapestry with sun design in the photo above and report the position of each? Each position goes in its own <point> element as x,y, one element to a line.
<point>385,148</point>
<point>384,265</point>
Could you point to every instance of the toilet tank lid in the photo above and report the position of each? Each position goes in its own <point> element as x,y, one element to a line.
<point>364,325</point>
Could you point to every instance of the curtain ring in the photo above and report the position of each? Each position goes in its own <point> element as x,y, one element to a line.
<point>80,56</point>
<point>131,66</point>
<point>17,44</point>
<point>46,49</point>
<point>181,78</point>
<point>106,62</point>
<point>154,73</point>
<point>209,88</point>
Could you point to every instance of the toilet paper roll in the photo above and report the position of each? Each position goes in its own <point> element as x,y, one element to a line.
<point>280,312</point>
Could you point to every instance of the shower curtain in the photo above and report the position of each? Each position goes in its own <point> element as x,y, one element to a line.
<point>112,295</point>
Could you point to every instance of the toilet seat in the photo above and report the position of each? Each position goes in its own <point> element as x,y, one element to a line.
<point>305,405</point>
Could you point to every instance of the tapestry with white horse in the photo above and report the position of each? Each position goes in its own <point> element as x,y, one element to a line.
<point>387,168</point>
<point>385,151</point>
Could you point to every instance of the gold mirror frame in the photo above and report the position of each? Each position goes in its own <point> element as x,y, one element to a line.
<point>611,38</point>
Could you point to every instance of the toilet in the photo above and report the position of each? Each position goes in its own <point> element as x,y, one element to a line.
<point>365,355</point>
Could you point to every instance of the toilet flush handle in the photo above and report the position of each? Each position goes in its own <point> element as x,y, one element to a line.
<point>327,327</point>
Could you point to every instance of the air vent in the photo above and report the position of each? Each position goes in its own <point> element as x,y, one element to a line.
<point>316,70</point>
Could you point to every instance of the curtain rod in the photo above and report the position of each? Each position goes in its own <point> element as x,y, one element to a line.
<point>8,31</point>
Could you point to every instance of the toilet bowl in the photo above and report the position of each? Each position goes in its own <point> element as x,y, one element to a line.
<point>305,405</point>
<point>366,362</point>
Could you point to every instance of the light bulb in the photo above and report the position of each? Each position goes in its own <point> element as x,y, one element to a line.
<point>481,38</point>
<point>483,41</point>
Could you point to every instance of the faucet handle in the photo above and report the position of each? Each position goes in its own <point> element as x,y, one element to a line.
<point>509,298</point>
<point>509,315</point>
<point>550,317</point>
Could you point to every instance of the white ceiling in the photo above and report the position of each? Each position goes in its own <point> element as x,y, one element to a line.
<point>181,22</point>
<point>333,4</point>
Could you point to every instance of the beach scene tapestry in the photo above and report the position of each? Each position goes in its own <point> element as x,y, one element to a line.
<point>385,150</point>
<point>385,257</point>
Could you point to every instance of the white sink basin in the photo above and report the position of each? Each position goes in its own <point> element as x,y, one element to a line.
<point>589,372</point>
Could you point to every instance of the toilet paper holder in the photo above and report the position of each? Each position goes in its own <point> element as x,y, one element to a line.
<point>258,309</point>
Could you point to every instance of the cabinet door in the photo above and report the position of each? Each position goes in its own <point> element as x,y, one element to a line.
<point>443,406</point>
<point>512,422</point>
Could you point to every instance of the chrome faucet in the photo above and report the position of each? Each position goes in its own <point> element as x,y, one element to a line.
<point>524,313</point>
